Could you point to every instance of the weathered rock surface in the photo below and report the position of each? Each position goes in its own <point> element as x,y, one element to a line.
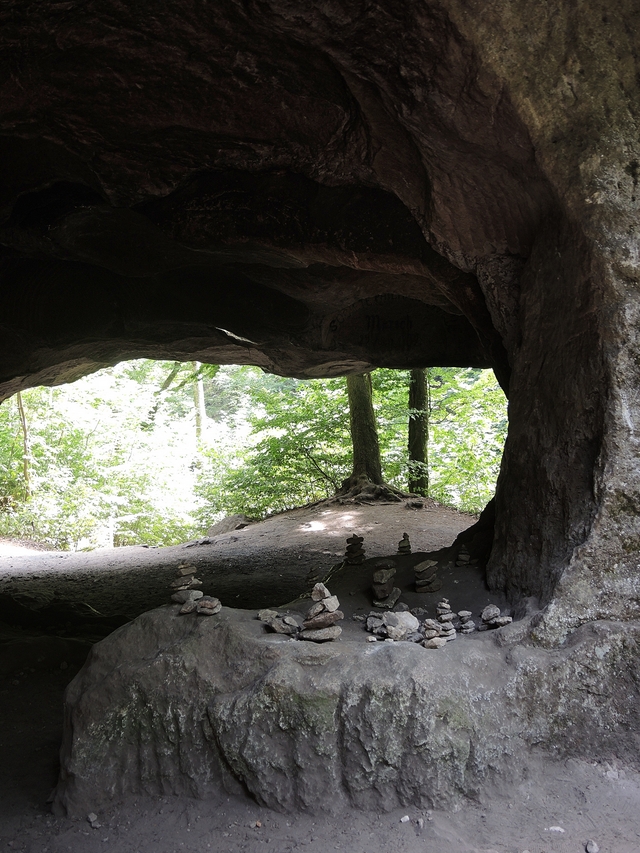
<point>321,188</point>
<point>168,704</point>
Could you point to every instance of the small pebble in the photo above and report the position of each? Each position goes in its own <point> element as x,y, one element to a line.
<point>591,846</point>
<point>405,819</point>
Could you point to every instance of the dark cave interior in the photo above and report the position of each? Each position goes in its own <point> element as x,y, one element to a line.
<point>320,192</point>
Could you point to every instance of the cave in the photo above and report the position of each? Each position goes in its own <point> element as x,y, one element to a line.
<point>324,188</point>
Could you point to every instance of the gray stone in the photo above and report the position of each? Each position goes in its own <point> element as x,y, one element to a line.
<point>188,607</point>
<point>208,606</point>
<point>430,633</point>
<point>434,586</point>
<point>185,571</point>
<point>193,708</point>
<point>382,590</point>
<point>391,601</point>
<point>501,621</point>
<point>465,614</point>
<point>428,576</point>
<point>435,643</point>
<point>331,603</point>
<point>424,565</point>
<point>186,595</point>
<point>400,625</point>
<point>592,847</point>
<point>320,592</point>
<point>185,583</point>
<point>323,620</point>
<point>322,635</point>
<point>374,622</point>
<point>316,608</point>
<point>491,611</point>
<point>279,626</point>
<point>266,615</point>
<point>382,576</point>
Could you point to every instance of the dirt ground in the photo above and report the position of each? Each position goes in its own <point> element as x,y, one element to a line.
<point>53,606</point>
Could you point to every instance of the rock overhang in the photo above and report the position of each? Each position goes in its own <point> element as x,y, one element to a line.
<point>340,188</point>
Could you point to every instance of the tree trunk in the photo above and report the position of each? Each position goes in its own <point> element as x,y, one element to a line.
<point>198,399</point>
<point>418,432</point>
<point>367,467</point>
<point>26,447</point>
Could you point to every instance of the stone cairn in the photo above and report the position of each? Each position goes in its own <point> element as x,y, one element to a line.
<point>426,580</point>
<point>404,545</point>
<point>319,624</point>
<point>406,625</point>
<point>355,552</point>
<point>393,626</point>
<point>491,618</point>
<point>467,625</point>
<point>445,616</point>
<point>185,591</point>
<point>464,557</point>
<point>280,623</point>
<point>385,594</point>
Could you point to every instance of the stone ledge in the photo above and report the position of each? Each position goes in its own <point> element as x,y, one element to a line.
<point>182,705</point>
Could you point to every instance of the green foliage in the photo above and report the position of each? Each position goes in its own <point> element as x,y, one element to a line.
<point>114,458</point>
<point>298,449</point>
<point>100,471</point>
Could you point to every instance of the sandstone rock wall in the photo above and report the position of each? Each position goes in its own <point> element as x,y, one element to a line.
<point>319,188</point>
<point>172,705</point>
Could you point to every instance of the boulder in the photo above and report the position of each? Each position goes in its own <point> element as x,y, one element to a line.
<point>174,705</point>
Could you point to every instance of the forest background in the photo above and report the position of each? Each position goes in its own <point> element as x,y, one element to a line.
<point>153,452</point>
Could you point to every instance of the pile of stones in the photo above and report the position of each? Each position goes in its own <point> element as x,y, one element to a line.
<point>491,618</point>
<point>432,634</point>
<point>394,626</point>
<point>319,624</point>
<point>426,580</point>
<point>280,623</point>
<point>184,591</point>
<point>404,545</point>
<point>464,557</point>
<point>355,552</point>
<point>467,625</point>
<point>385,594</point>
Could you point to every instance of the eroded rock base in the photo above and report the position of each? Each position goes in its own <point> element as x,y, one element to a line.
<point>171,705</point>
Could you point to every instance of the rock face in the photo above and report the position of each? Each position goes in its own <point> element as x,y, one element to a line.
<point>321,188</point>
<point>169,704</point>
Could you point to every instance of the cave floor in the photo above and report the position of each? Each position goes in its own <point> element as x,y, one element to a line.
<point>264,564</point>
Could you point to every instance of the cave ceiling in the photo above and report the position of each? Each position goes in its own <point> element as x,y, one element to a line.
<point>314,188</point>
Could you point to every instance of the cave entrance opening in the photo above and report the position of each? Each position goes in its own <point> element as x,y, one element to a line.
<point>153,453</point>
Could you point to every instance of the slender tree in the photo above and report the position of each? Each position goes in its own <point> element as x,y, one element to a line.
<point>26,446</point>
<point>198,400</point>
<point>367,467</point>
<point>418,432</point>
